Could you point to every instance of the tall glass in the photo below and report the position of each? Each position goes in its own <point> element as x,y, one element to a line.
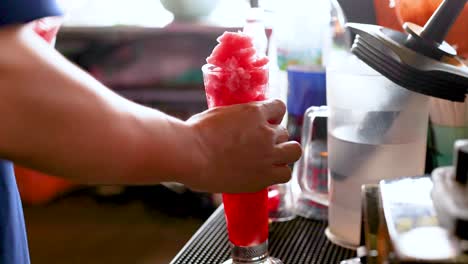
<point>246,213</point>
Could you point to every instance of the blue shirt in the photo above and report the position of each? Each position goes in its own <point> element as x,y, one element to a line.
<point>13,240</point>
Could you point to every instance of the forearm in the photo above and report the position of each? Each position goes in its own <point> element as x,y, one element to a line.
<point>57,119</point>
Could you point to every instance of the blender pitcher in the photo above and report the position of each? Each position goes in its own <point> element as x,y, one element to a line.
<point>376,130</point>
<point>378,109</point>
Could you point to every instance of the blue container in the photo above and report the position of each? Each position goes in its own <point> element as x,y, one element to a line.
<point>306,88</point>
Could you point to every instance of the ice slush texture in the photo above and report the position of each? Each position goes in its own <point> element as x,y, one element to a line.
<point>236,73</point>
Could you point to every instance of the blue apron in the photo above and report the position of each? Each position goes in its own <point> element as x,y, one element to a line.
<point>13,240</point>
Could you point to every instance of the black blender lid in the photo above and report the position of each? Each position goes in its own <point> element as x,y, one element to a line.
<point>416,61</point>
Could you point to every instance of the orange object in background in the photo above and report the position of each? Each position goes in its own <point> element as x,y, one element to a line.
<point>386,16</point>
<point>39,188</point>
<point>419,11</point>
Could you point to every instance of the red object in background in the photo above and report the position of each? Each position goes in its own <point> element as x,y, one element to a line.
<point>273,199</point>
<point>386,16</point>
<point>36,187</point>
<point>39,188</point>
<point>419,11</point>
<point>47,28</point>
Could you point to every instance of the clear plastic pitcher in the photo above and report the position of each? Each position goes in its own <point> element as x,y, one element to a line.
<point>376,130</point>
<point>311,171</point>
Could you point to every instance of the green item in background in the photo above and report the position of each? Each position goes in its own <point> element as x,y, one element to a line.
<point>193,76</point>
<point>444,138</point>
<point>305,57</point>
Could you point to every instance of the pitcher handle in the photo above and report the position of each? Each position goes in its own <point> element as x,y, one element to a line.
<point>312,168</point>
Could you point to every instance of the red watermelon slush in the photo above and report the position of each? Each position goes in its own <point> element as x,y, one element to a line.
<point>235,74</point>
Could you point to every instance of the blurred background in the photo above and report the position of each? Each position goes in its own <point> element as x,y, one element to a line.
<point>149,51</point>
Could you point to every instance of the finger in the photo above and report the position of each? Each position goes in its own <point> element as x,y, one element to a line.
<point>287,152</point>
<point>281,134</point>
<point>281,174</point>
<point>273,110</point>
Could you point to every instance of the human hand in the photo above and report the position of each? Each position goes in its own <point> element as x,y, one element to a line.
<point>244,147</point>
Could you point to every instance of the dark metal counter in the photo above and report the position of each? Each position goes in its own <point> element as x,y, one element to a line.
<point>299,241</point>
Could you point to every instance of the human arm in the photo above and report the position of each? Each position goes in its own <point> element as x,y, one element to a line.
<point>58,119</point>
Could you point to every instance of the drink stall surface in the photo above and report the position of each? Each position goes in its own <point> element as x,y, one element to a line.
<point>297,241</point>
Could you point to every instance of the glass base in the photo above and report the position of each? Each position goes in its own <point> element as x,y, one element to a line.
<point>269,260</point>
<point>280,203</point>
<point>311,210</point>
<point>281,216</point>
<point>251,255</point>
<point>338,241</point>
